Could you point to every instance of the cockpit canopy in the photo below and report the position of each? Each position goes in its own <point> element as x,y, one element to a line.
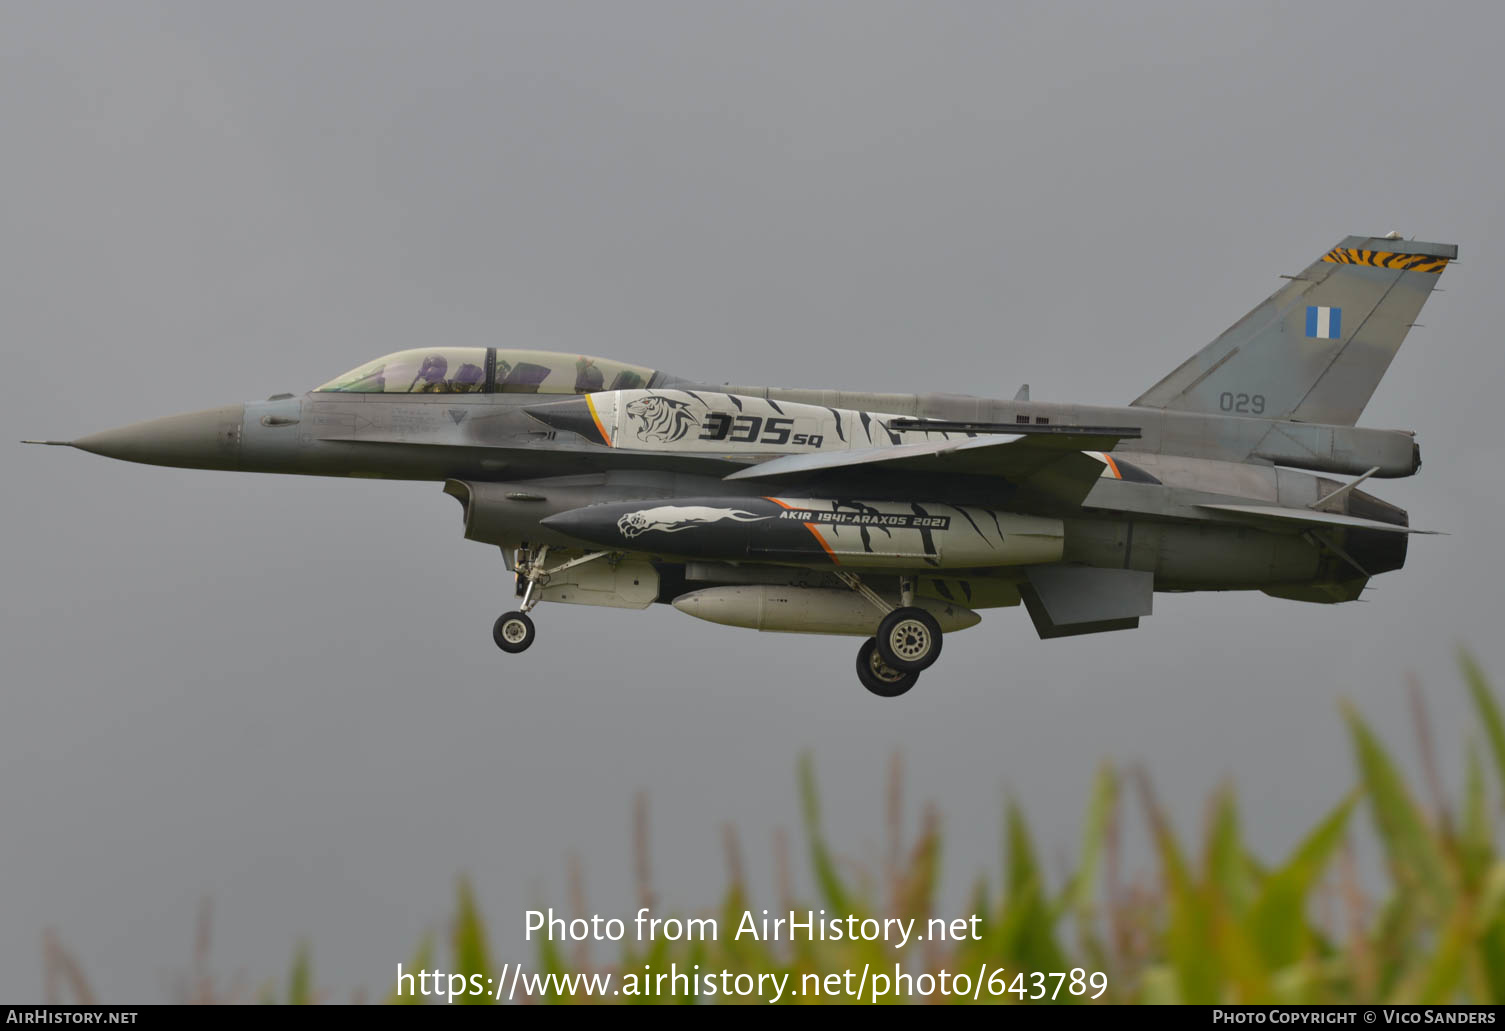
<point>488,370</point>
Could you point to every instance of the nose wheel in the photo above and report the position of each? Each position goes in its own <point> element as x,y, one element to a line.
<point>513,632</point>
<point>878,676</point>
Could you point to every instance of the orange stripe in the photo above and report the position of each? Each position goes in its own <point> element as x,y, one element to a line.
<point>826,547</point>
<point>599,428</point>
<point>813,531</point>
<point>1112,465</point>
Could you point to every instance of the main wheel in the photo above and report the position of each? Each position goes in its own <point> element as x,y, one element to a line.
<point>909,639</point>
<point>879,677</point>
<point>513,632</point>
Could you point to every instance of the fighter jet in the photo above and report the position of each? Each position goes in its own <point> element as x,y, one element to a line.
<point>895,518</point>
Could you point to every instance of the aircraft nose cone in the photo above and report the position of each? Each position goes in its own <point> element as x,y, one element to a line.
<point>209,439</point>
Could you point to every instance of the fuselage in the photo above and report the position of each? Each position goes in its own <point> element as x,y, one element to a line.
<point>891,515</point>
<point>1148,520</point>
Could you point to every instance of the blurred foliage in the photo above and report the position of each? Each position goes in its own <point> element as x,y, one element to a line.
<point>1215,924</point>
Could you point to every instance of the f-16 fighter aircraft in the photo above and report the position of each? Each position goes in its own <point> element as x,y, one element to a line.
<point>894,518</point>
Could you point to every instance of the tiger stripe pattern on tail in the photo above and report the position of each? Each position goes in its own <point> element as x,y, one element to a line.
<point>1385,259</point>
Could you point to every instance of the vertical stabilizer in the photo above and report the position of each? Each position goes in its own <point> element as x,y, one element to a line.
<point>1316,349</point>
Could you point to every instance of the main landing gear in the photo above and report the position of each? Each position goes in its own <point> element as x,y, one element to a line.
<point>514,632</point>
<point>907,643</point>
<point>879,677</point>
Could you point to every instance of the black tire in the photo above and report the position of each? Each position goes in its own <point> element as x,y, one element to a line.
<point>878,677</point>
<point>909,639</point>
<point>513,632</point>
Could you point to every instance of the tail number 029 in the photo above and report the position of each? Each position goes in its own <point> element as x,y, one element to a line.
<point>1248,404</point>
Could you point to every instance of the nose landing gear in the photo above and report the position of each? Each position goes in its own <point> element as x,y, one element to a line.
<point>514,632</point>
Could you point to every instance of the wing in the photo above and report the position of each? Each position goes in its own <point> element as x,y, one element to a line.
<point>1297,518</point>
<point>1054,463</point>
<point>1043,459</point>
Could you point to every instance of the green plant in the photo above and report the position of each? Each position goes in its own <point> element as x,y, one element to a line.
<point>1215,926</point>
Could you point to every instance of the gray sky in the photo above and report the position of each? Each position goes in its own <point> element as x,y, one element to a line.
<point>280,692</point>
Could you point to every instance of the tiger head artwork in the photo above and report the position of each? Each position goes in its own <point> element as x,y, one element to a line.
<point>661,420</point>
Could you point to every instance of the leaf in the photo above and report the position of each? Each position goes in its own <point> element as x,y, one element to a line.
<point>1492,936</point>
<point>1415,858</point>
<point>916,888</point>
<point>1492,960</point>
<point>300,978</point>
<point>1277,919</point>
<point>1158,986</point>
<point>1023,870</point>
<point>981,907</point>
<point>422,959</point>
<point>1436,983</point>
<point>1226,869</point>
<point>1078,895</point>
<point>739,951</point>
<point>1478,832</point>
<point>1489,710</point>
<point>552,965</point>
<point>1028,925</point>
<point>470,945</point>
<point>1491,906</point>
<point>1247,976</point>
<point>835,893</point>
<point>654,964</point>
<point>1189,941</point>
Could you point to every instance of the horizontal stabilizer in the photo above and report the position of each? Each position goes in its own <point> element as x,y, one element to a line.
<point>1299,517</point>
<point>1064,601</point>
